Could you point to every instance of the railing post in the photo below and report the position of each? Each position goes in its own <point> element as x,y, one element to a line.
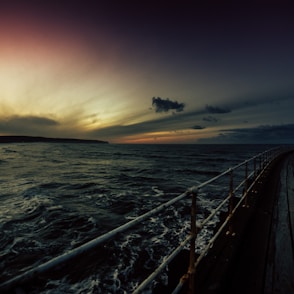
<point>254,162</point>
<point>231,204</point>
<point>246,185</point>
<point>191,270</point>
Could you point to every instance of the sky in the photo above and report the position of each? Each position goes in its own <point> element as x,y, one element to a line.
<point>147,72</point>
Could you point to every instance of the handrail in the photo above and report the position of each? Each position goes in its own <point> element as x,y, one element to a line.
<point>204,252</point>
<point>264,160</point>
<point>162,266</point>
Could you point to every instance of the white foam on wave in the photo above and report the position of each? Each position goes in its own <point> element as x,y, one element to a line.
<point>12,208</point>
<point>157,191</point>
<point>54,207</point>
<point>92,220</point>
<point>23,244</point>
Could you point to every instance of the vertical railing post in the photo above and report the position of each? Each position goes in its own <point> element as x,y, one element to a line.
<point>254,163</point>
<point>270,156</point>
<point>246,185</point>
<point>191,270</point>
<point>231,203</point>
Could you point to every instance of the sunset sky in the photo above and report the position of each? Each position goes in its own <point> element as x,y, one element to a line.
<point>144,73</point>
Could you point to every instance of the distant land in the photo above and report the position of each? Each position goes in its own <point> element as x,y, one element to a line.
<point>30,139</point>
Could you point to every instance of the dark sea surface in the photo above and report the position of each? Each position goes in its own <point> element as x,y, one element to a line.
<point>55,197</point>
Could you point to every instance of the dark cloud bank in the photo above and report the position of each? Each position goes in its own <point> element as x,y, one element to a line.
<point>269,134</point>
<point>26,125</point>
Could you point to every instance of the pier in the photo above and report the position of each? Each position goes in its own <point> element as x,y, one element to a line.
<point>250,250</point>
<point>257,255</point>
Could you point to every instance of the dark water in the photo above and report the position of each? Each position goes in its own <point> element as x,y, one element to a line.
<point>55,197</point>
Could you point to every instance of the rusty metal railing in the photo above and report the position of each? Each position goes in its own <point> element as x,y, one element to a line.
<point>264,159</point>
<point>258,164</point>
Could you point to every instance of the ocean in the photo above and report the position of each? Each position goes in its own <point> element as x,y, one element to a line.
<point>55,197</point>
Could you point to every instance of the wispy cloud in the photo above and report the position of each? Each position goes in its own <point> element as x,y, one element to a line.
<point>26,124</point>
<point>210,118</point>
<point>216,109</point>
<point>268,134</point>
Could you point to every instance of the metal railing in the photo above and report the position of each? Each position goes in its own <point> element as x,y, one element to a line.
<point>254,168</point>
<point>253,171</point>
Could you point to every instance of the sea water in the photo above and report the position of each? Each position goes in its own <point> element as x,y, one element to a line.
<point>55,197</point>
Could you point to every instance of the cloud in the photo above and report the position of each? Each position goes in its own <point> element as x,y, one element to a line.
<point>26,124</point>
<point>268,134</point>
<point>135,129</point>
<point>164,105</point>
<point>197,127</point>
<point>164,123</point>
<point>210,119</point>
<point>32,121</point>
<point>171,123</point>
<point>216,109</point>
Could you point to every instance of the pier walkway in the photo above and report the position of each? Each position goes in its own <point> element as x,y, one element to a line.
<point>265,262</point>
<point>259,256</point>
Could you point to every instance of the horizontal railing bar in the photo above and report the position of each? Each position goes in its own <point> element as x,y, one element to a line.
<point>195,188</point>
<point>213,213</point>
<point>163,265</point>
<point>211,241</point>
<point>243,182</point>
<point>239,186</point>
<point>179,286</point>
